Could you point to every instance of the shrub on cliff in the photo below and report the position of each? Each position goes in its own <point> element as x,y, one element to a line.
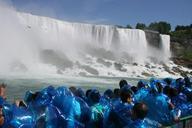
<point>162,27</point>
<point>129,26</point>
<point>140,26</point>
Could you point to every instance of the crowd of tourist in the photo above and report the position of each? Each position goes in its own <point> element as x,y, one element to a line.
<point>154,103</point>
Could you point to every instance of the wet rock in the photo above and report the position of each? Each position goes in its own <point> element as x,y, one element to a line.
<point>147,66</point>
<point>189,66</point>
<point>61,61</point>
<point>87,68</point>
<point>90,70</point>
<point>123,69</point>
<point>176,69</point>
<point>183,62</point>
<point>146,74</point>
<point>99,52</point>
<point>106,63</point>
<point>184,74</point>
<point>82,74</point>
<point>167,69</point>
<point>138,76</point>
<point>119,67</point>
<point>153,38</point>
<point>135,64</point>
<point>181,72</point>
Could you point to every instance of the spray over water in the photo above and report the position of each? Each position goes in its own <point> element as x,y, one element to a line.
<point>38,45</point>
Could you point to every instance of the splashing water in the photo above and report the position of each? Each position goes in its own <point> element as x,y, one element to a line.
<point>36,45</point>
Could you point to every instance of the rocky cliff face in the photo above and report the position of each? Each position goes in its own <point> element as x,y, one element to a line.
<point>153,38</point>
<point>181,48</point>
<point>182,51</point>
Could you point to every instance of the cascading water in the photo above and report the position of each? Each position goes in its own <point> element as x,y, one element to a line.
<point>165,41</point>
<point>41,45</point>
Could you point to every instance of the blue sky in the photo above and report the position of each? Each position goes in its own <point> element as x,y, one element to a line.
<point>115,12</point>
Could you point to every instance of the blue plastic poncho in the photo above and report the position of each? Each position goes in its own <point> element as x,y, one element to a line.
<point>69,108</point>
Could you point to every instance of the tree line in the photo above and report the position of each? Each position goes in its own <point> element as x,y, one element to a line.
<point>162,27</point>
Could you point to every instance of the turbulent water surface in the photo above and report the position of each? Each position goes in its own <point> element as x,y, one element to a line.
<point>16,88</point>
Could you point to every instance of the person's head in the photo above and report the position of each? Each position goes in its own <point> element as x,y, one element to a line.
<point>180,81</point>
<point>166,90</point>
<point>116,92</point>
<point>94,96</point>
<point>126,95</point>
<point>180,84</point>
<point>173,92</point>
<point>80,93</point>
<point>88,92</point>
<point>188,82</point>
<point>122,83</point>
<point>140,84</point>
<point>134,89</point>
<point>140,111</point>
<point>3,90</point>
<point>168,81</point>
<point>108,93</point>
<point>30,96</point>
<point>73,89</point>
<point>159,87</point>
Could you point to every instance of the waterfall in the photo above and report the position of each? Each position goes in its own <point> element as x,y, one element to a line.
<point>165,41</point>
<point>46,45</point>
<point>117,40</point>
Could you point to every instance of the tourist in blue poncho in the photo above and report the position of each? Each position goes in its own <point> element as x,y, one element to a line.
<point>142,91</point>
<point>180,102</point>
<point>139,113</point>
<point>121,112</point>
<point>160,107</point>
<point>97,110</point>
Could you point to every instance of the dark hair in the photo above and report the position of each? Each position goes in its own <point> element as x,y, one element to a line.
<point>109,93</point>
<point>159,87</point>
<point>187,82</point>
<point>125,93</point>
<point>87,92</point>
<point>134,89</point>
<point>80,93</point>
<point>166,90</point>
<point>3,85</point>
<point>31,96</point>
<point>94,96</point>
<point>73,89</point>
<point>122,83</point>
<point>140,110</point>
<point>168,81</point>
<point>116,92</point>
<point>140,84</point>
<point>173,92</point>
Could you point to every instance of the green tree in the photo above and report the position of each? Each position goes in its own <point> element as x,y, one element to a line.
<point>153,26</point>
<point>162,27</point>
<point>129,26</point>
<point>140,26</point>
<point>181,27</point>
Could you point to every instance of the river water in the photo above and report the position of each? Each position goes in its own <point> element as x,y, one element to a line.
<point>16,87</point>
